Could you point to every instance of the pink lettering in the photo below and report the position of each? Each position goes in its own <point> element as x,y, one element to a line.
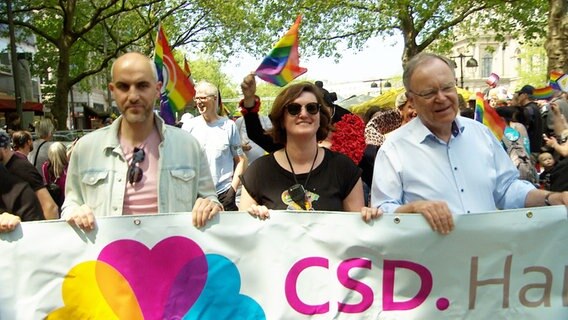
<point>291,289</point>
<point>350,283</point>
<point>388,285</point>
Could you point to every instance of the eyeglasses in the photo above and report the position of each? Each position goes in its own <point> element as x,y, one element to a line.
<point>431,94</point>
<point>294,108</point>
<point>203,98</point>
<point>134,172</point>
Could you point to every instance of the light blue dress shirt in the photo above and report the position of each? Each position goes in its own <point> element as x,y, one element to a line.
<point>472,173</point>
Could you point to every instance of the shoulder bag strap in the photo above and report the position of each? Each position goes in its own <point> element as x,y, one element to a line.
<point>37,152</point>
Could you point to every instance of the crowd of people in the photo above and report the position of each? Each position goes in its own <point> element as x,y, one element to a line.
<point>425,156</point>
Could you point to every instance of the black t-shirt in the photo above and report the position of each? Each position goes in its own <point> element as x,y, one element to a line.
<point>17,198</point>
<point>534,125</point>
<point>329,183</point>
<point>559,176</point>
<point>24,170</point>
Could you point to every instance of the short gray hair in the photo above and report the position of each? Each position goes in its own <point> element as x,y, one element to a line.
<point>210,90</point>
<point>45,128</point>
<point>418,60</point>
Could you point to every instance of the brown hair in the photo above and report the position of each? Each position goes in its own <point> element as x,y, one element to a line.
<point>20,138</point>
<point>288,95</point>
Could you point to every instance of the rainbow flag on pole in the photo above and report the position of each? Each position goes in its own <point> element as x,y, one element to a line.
<point>488,116</point>
<point>282,64</point>
<point>177,89</point>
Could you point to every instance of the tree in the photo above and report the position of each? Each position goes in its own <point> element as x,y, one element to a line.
<point>78,39</point>
<point>557,37</point>
<point>533,69</point>
<point>422,23</point>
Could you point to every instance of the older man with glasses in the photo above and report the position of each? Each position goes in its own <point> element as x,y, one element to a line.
<point>221,141</point>
<point>440,163</point>
<point>137,165</point>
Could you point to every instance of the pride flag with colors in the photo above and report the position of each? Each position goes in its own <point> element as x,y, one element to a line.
<point>544,93</point>
<point>485,114</point>
<point>282,64</point>
<point>177,88</point>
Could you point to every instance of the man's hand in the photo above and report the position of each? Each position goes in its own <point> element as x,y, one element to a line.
<point>437,213</point>
<point>369,214</point>
<point>8,222</point>
<point>248,86</point>
<point>203,211</point>
<point>82,217</point>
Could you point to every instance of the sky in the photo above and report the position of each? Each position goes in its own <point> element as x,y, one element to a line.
<point>378,59</point>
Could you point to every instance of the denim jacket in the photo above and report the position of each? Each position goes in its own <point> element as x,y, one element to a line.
<point>97,172</point>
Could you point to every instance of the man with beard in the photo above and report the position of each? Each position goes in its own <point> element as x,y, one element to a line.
<point>137,165</point>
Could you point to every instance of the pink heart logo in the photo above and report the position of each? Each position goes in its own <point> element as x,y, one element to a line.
<point>166,280</point>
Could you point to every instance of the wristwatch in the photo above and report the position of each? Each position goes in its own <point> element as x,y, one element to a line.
<point>546,200</point>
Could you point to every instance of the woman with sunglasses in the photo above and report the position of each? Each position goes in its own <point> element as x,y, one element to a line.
<point>302,175</point>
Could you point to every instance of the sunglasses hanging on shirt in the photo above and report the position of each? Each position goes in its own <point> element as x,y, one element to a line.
<point>135,173</point>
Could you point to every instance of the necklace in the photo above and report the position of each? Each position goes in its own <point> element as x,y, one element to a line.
<point>298,192</point>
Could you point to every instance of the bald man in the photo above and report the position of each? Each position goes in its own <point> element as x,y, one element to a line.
<point>137,165</point>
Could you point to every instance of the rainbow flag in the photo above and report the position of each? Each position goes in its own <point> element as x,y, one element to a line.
<point>282,64</point>
<point>544,93</point>
<point>488,116</point>
<point>177,90</point>
<point>555,75</point>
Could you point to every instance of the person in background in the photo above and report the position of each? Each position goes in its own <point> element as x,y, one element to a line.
<point>302,175</point>
<point>22,143</point>
<point>547,164</point>
<point>252,150</point>
<point>44,131</point>
<point>221,141</point>
<point>13,123</point>
<point>427,165</point>
<point>407,111</point>
<point>25,171</point>
<point>18,202</point>
<point>55,169</point>
<point>531,118</point>
<point>137,165</point>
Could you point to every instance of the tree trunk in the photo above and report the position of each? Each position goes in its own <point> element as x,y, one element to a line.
<point>61,102</point>
<point>557,38</point>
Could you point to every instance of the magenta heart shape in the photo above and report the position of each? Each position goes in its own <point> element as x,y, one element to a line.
<point>167,279</point>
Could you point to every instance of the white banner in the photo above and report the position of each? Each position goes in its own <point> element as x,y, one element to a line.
<point>504,265</point>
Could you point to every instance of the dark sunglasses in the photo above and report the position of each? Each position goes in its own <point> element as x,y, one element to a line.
<point>294,109</point>
<point>134,172</point>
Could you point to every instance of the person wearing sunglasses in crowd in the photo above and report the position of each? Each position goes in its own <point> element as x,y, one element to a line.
<point>137,165</point>
<point>440,163</point>
<point>302,175</point>
<point>250,106</point>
